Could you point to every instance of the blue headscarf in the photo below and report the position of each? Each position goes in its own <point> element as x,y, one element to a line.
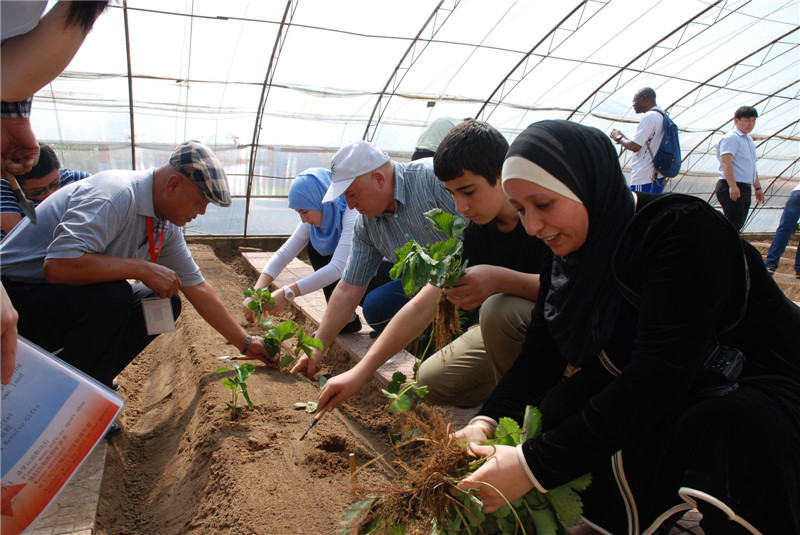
<point>306,193</point>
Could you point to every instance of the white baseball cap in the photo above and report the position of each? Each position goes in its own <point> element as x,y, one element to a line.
<point>350,162</point>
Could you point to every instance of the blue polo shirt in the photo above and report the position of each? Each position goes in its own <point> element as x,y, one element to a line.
<point>743,149</point>
<point>103,214</point>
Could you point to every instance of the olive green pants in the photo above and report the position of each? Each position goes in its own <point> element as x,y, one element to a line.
<point>466,371</point>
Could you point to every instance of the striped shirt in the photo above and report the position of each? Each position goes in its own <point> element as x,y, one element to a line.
<point>416,190</point>
<point>9,203</point>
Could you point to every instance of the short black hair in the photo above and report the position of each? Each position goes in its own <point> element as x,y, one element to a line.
<point>745,111</point>
<point>48,161</point>
<point>474,146</point>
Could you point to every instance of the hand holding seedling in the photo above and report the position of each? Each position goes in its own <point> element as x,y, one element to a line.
<point>258,350</point>
<point>475,287</point>
<point>309,365</point>
<point>500,480</point>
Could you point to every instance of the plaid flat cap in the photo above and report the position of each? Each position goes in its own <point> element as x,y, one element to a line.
<point>196,161</point>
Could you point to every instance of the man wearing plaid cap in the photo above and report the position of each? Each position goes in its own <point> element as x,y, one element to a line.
<point>93,236</point>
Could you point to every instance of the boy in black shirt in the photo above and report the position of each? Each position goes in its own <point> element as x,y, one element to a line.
<point>502,278</point>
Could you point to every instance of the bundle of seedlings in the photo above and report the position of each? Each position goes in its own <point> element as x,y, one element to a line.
<point>425,498</point>
<point>440,264</point>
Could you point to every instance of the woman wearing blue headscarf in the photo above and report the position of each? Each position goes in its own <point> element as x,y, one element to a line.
<point>326,229</point>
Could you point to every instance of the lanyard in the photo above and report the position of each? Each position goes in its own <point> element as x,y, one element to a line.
<point>154,253</point>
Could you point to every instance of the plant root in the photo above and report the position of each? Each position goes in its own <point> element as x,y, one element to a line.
<point>430,466</point>
<point>447,325</point>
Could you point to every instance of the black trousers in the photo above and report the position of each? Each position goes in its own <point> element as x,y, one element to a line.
<point>100,326</point>
<point>735,211</point>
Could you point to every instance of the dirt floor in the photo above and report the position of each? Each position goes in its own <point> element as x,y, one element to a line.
<point>182,465</point>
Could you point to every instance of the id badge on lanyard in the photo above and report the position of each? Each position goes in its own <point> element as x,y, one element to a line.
<point>157,310</point>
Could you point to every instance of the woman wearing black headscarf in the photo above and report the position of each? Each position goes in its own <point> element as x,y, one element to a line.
<point>653,300</point>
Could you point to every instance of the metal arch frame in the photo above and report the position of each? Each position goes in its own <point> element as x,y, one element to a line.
<point>501,87</point>
<point>384,97</point>
<point>707,82</point>
<point>273,60</point>
<point>649,49</point>
<point>720,127</point>
<point>738,62</point>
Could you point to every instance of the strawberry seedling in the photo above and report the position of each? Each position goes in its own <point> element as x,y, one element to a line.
<point>238,385</point>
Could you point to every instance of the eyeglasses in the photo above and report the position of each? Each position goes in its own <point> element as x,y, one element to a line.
<point>40,192</point>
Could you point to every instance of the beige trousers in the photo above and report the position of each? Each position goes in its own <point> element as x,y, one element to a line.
<point>466,371</point>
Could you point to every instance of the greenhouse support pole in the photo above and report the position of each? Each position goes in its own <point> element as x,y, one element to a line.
<point>130,83</point>
<point>260,114</point>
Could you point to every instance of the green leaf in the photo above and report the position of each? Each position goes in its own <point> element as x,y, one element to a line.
<point>243,388</point>
<point>444,222</point>
<point>355,510</point>
<point>287,360</point>
<point>400,404</point>
<point>227,383</point>
<point>531,423</point>
<point>324,377</point>
<point>544,521</point>
<point>507,432</point>
<point>567,504</point>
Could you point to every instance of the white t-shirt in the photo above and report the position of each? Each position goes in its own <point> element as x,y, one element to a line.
<point>651,129</point>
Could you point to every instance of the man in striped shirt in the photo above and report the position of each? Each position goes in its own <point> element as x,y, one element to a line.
<point>391,198</point>
<point>44,179</point>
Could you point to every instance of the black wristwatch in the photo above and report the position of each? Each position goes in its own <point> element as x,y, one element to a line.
<point>246,346</point>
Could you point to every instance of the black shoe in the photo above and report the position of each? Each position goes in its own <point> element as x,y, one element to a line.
<point>114,385</point>
<point>374,334</point>
<point>770,271</point>
<point>113,431</point>
<point>353,327</point>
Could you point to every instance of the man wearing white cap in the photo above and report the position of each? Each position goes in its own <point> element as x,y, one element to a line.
<point>93,236</point>
<point>391,199</point>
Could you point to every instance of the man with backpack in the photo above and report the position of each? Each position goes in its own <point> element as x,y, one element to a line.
<point>646,144</point>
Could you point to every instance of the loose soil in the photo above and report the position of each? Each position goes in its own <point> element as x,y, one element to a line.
<point>182,465</point>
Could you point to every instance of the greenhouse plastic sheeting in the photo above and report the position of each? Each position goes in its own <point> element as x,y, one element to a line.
<point>276,87</point>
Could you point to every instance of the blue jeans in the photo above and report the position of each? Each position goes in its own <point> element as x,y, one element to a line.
<point>791,214</point>
<point>381,304</point>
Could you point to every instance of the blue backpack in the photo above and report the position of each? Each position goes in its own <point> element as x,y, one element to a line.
<point>667,160</point>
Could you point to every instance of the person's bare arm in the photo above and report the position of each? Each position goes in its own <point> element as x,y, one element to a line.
<point>92,268</point>
<point>727,170</point>
<point>8,336</point>
<point>409,322</point>
<point>32,60</point>
<point>205,300</point>
<point>9,220</point>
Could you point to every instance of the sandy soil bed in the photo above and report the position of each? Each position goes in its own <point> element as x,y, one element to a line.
<point>182,465</point>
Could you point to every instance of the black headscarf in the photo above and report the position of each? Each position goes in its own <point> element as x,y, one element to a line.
<point>582,304</point>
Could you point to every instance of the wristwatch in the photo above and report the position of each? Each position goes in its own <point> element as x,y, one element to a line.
<point>619,138</point>
<point>288,293</point>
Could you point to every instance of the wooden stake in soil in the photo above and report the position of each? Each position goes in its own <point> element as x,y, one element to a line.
<point>353,476</point>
